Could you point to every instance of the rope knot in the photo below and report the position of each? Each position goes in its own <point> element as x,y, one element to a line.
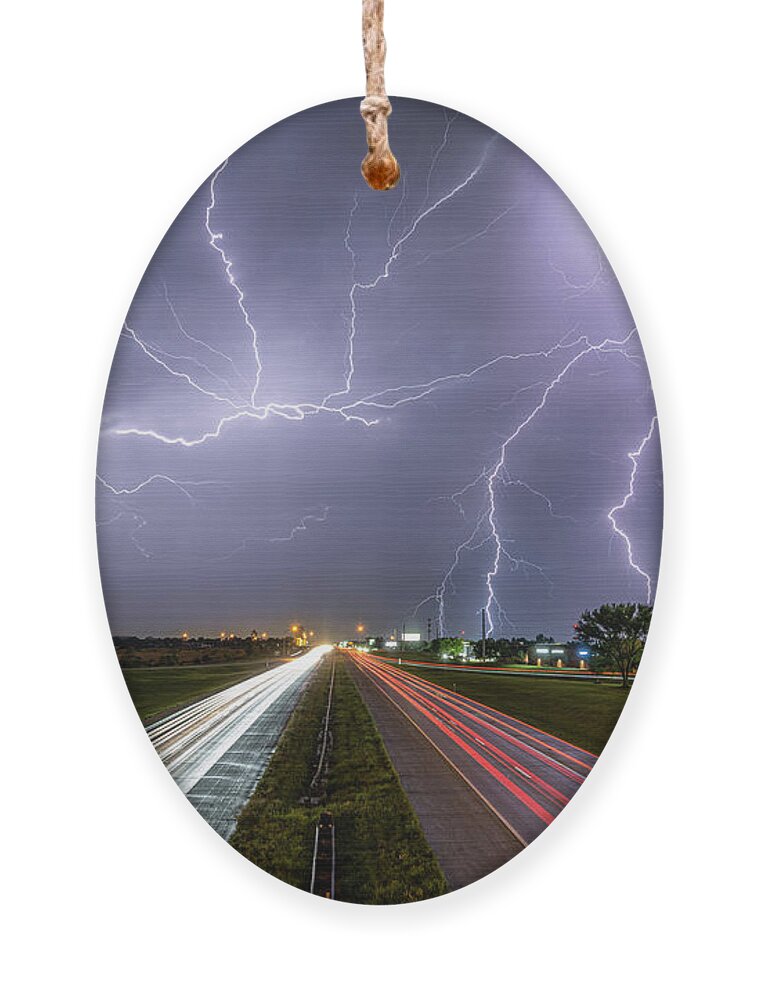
<point>375,104</point>
<point>379,167</point>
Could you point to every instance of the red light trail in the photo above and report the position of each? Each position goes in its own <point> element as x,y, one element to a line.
<point>524,774</point>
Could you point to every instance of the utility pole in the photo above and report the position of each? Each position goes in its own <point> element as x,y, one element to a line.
<point>484,636</point>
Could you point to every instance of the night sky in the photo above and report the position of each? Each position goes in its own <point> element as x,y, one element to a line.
<point>254,471</point>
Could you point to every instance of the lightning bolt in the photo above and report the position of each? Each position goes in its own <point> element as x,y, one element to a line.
<point>180,484</point>
<point>201,343</point>
<point>385,270</point>
<point>498,474</point>
<point>634,457</point>
<point>577,289</point>
<point>229,271</point>
<point>121,494</point>
<point>302,525</point>
<point>367,411</point>
<point>449,119</point>
<point>140,524</point>
<point>606,346</point>
<point>299,411</point>
<point>446,583</point>
<point>153,353</point>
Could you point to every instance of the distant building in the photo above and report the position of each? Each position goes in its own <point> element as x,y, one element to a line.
<point>411,638</point>
<point>559,654</point>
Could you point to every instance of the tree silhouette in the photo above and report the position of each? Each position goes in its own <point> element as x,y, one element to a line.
<point>617,632</point>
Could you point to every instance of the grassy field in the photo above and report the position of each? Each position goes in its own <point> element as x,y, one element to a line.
<point>578,711</point>
<point>382,855</point>
<point>158,689</point>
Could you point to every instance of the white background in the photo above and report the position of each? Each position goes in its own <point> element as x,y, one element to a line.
<point>642,113</point>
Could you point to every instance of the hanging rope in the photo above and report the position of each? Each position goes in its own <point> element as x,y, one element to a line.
<point>379,168</point>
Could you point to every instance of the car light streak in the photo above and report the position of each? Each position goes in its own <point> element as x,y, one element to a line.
<point>536,773</point>
<point>497,724</point>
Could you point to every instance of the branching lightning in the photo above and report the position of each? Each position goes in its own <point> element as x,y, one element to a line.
<point>153,353</point>
<point>498,475</point>
<point>240,403</point>
<point>302,525</point>
<point>201,343</point>
<point>634,457</point>
<point>384,272</point>
<point>122,495</point>
<point>139,522</point>
<point>228,270</point>
<point>180,484</point>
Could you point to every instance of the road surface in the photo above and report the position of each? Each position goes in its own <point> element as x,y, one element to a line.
<point>468,840</point>
<point>524,775</point>
<point>217,749</point>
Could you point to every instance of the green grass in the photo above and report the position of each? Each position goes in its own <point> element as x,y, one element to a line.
<point>581,712</point>
<point>382,855</point>
<point>158,689</point>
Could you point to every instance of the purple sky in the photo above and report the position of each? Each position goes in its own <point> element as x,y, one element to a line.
<point>268,500</point>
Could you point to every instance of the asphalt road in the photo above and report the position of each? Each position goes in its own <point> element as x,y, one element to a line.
<point>217,749</point>
<point>524,775</point>
<point>468,840</point>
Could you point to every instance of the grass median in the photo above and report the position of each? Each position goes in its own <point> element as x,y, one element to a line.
<point>578,711</point>
<point>382,854</point>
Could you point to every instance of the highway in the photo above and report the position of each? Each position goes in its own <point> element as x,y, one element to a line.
<point>555,673</point>
<point>524,775</point>
<point>217,749</point>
